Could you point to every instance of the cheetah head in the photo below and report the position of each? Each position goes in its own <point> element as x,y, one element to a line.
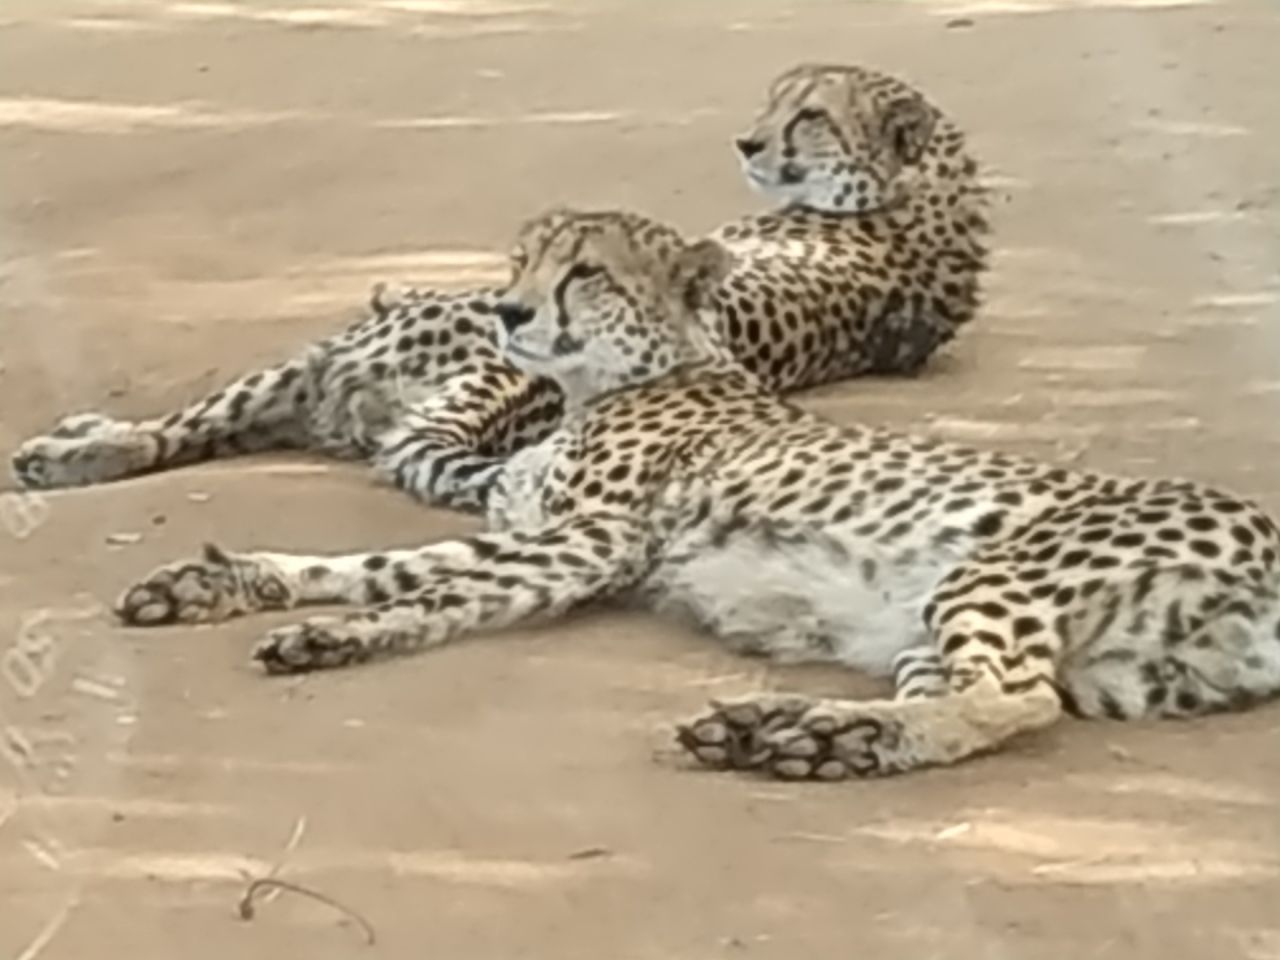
<point>604,300</point>
<point>837,139</point>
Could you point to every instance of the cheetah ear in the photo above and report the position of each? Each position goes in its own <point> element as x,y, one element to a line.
<point>907,124</point>
<point>699,269</point>
<point>215,555</point>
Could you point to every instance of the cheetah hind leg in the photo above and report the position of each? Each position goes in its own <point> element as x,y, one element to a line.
<point>259,411</point>
<point>83,449</point>
<point>952,701</point>
<point>449,447</point>
<point>797,738</point>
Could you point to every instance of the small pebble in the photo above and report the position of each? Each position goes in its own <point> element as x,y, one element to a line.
<point>591,853</point>
<point>123,539</point>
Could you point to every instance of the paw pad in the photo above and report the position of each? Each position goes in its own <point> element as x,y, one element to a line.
<point>308,646</point>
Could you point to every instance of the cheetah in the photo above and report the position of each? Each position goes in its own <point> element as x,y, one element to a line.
<point>871,261</point>
<point>997,592</point>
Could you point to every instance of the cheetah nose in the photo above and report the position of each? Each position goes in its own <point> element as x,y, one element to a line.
<point>513,315</point>
<point>748,147</point>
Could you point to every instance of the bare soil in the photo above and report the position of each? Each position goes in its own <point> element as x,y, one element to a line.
<point>191,189</point>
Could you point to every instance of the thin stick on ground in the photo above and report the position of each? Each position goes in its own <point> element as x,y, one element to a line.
<point>299,828</point>
<point>271,883</point>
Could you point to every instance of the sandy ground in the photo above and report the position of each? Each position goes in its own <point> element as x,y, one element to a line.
<point>190,189</point>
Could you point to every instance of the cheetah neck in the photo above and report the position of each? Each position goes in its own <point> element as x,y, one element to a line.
<point>942,206</point>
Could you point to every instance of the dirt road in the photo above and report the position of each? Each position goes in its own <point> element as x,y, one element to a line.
<point>193,188</point>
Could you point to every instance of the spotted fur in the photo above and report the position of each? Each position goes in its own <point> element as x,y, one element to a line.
<point>997,591</point>
<point>869,264</point>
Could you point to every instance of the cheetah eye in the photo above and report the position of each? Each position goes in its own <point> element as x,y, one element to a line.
<point>809,128</point>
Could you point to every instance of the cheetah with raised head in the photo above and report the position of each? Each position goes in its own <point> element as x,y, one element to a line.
<point>870,263</point>
<point>997,591</point>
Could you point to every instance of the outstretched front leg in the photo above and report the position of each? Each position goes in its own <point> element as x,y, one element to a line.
<point>411,599</point>
<point>259,411</point>
<point>987,679</point>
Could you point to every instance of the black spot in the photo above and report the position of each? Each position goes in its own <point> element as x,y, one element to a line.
<point>993,640</point>
<point>1244,536</point>
<point>406,582</point>
<point>1047,554</point>
<point>784,501</point>
<point>954,642</point>
<point>375,562</point>
<point>988,525</point>
<point>1026,626</point>
<point>1110,706</point>
<point>1205,548</point>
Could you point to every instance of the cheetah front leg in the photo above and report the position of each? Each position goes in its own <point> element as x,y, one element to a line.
<point>986,680</point>
<point>259,411</point>
<point>411,599</point>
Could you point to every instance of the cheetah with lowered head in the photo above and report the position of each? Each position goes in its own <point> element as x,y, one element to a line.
<point>997,591</point>
<point>871,262</point>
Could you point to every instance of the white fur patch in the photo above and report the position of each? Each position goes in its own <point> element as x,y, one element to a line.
<point>855,602</point>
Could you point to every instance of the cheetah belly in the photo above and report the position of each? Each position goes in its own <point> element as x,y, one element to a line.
<point>809,597</point>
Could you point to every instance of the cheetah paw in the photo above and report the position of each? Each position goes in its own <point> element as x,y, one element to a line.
<point>215,587</point>
<point>321,643</point>
<point>82,449</point>
<point>731,735</point>
<point>792,738</point>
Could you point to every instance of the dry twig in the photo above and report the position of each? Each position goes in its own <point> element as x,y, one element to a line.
<point>246,910</point>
